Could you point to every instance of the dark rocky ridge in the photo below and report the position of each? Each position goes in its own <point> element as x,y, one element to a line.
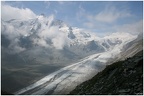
<point>120,78</point>
<point>5,93</point>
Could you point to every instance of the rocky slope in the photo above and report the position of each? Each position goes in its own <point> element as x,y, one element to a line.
<point>5,93</point>
<point>121,78</point>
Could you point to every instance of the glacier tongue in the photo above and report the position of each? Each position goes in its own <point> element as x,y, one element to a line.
<point>67,78</point>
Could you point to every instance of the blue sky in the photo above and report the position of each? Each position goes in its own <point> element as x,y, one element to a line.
<point>97,16</point>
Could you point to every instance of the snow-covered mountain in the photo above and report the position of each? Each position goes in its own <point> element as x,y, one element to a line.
<point>47,32</point>
<point>68,55</point>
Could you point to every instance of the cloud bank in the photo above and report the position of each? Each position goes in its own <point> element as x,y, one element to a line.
<point>8,12</point>
<point>46,35</point>
<point>133,28</point>
<point>111,14</point>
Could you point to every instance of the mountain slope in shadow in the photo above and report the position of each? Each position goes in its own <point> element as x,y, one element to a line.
<point>121,78</point>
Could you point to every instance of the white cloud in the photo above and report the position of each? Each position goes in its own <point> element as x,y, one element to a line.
<point>81,13</point>
<point>111,14</point>
<point>9,31</point>
<point>13,36</point>
<point>104,20</point>
<point>59,41</point>
<point>8,12</point>
<point>49,32</point>
<point>14,46</point>
<point>17,49</point>
<point>40,42</point>
<point>133,28</point>
<point>53,33</point>
<point>14,32</point>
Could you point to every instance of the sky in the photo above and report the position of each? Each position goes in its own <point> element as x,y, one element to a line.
<point>101,17</point>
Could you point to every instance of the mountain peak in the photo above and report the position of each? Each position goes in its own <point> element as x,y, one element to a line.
<point>42,14</point>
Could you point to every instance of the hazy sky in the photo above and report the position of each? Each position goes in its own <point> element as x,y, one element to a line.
<point>97,16</point>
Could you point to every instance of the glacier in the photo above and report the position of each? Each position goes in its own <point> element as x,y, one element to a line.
<point>67,78</point>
